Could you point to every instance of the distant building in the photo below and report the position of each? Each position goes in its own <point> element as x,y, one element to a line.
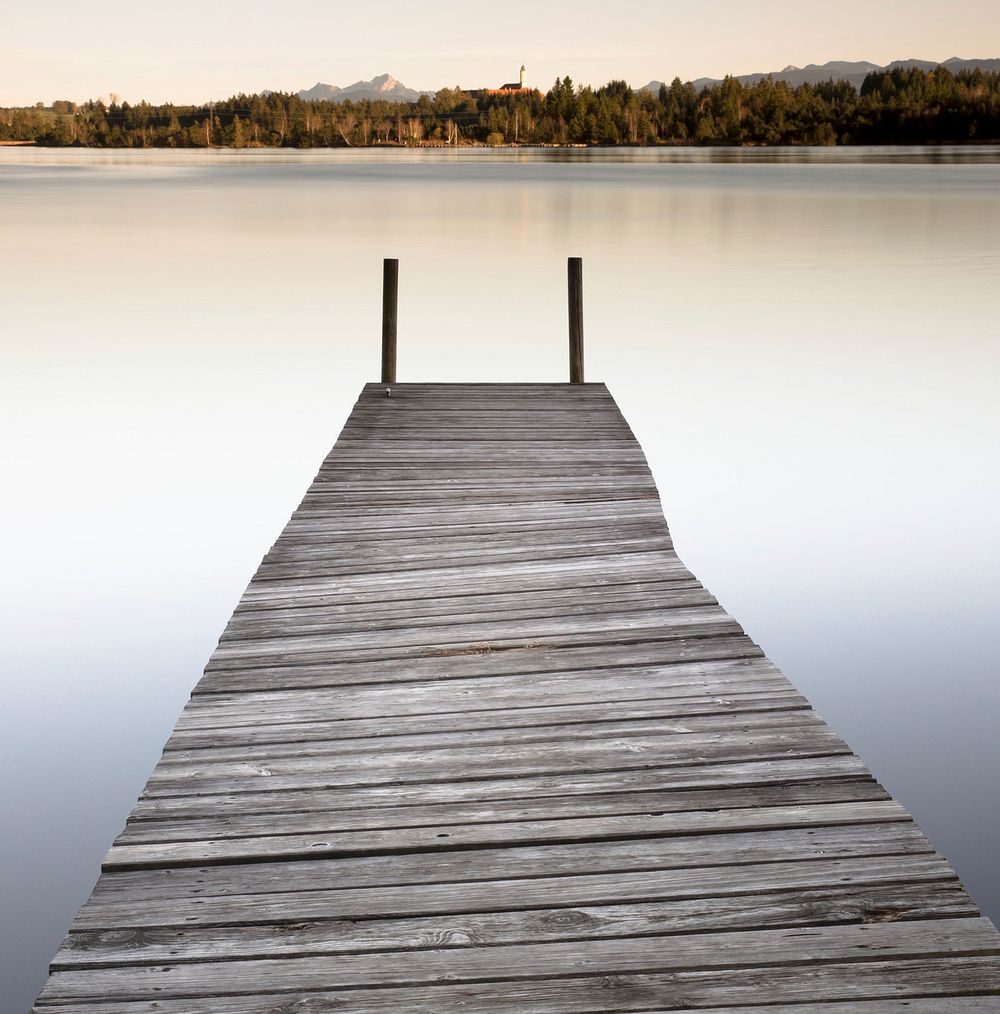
<point>515,88</point>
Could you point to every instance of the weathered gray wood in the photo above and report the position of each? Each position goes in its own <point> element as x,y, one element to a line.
<point>903,940</point>
<point>458,836</point>
<point>139,887</point>
<point>457,813</point>
<point>596,714</point>
<point>679,679</point>
<point>819,907</point>
<point>704,643</point>
<point>474,764</point>
<point>422,612</point>
<point>660,670</point>
<point>597,628</point>
<point>939,982</point>
<point>475,739</point>
<point>121,911</point>
<point>598,725</point>
<point>306,544</point>
<point>727,775</point>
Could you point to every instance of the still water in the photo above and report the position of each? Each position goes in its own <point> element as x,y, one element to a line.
<point>805,342</point>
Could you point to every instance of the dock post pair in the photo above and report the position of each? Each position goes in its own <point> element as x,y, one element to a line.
<point>390,307</point>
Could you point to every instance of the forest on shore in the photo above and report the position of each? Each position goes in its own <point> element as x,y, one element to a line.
<point>898,106</point>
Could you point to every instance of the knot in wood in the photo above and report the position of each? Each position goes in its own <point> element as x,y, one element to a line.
<point>566,918</point>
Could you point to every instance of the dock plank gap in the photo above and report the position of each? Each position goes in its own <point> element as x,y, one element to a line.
<point>475,739</point>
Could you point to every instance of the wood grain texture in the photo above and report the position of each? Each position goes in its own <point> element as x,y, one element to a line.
<point>926,939</point>
<point>476,739</point>
<point>942,984</point>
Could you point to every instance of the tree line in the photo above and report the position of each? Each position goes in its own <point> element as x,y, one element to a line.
<point>899,106</point>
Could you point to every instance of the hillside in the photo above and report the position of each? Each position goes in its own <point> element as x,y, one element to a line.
<point>839,70</point>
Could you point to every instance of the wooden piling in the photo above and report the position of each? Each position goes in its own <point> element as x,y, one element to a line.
<point>575,278</point>
<point>390,305</point>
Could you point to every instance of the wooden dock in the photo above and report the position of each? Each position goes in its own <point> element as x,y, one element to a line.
<point>475,740</point>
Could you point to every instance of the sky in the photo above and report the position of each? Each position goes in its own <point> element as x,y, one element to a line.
<point>192,51</point>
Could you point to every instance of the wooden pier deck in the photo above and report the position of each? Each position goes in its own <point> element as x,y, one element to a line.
<point>475,740</point>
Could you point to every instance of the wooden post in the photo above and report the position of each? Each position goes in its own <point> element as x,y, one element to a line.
<point>575,277</point>
<point>390,294</point>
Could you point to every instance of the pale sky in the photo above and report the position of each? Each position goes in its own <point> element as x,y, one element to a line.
<point>192,50</point>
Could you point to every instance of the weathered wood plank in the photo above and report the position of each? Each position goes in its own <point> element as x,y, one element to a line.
<point>904,941</point>
<point>244,735</point>
<point>481,659</point>
<point>458,836</point>
<point>509,761</point>
<point>123,912</point>
<point>684,679</point>
<point>597,725</point>
<point>785,770</point>
<point>599,628</point>
<point>456,813</point>
<point>941,982</point>
<point>362,934</point>
<point>585,572</point>
<point>421,611</point>
<point>139,887</point>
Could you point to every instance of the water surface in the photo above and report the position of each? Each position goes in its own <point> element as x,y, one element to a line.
<point>805,342</point>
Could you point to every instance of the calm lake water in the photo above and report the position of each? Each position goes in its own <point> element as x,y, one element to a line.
<point>806,343</point>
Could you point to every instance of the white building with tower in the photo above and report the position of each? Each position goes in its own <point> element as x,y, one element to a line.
<point>513,88</point>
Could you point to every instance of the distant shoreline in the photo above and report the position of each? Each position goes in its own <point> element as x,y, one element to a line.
<point>511,146</point>
<point>905,106</point>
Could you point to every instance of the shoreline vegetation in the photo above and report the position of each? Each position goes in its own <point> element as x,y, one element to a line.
<point>897,106</point>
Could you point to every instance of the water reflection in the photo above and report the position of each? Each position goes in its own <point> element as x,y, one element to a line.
<point>984,154</point>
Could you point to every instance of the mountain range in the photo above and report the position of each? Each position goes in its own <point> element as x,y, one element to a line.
<point>385,86</point>
<point>839,70</point>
